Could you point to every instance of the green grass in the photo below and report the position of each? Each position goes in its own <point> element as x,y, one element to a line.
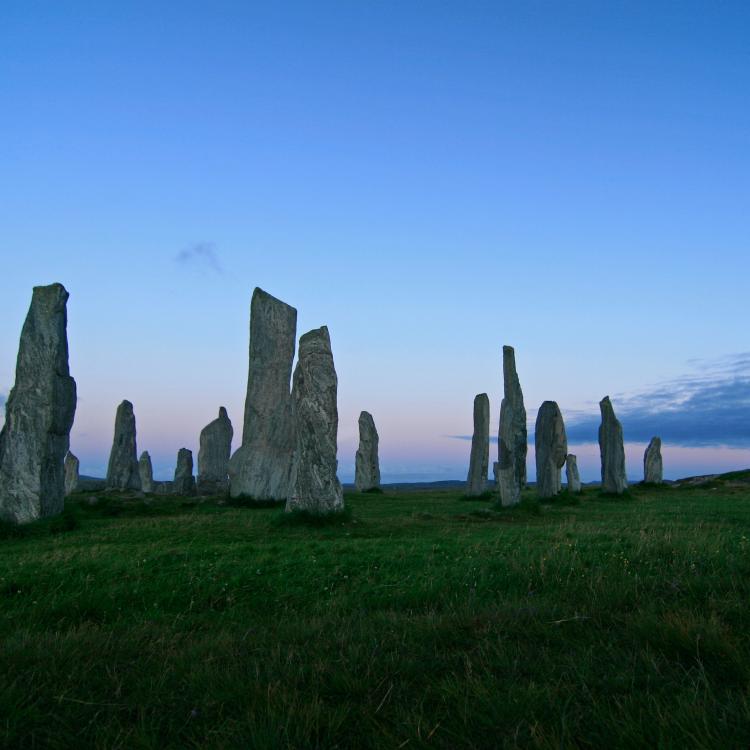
<point>418,620</point>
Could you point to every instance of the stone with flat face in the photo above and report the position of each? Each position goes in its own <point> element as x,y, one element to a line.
<point>652,463</point>
<point>146,472</point>
<point>39,413</point>
<point>315,488</point>
<point>611,450</point>
<point>366,464</point>
<point>184,481</point>
<point>479,459</point>
<point>122,471</point>
<point>72,466</point>
<point>213,455</point>
<point>260,468</point>
<point>512,437</point>
<point>551,448</point>
<point>571,473</point>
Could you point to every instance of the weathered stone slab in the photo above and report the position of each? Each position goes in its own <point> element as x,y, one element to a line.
<point>366,463</point>
<point>122,471</point>
<point>476,481</point>
<point>551,448</point>
<point>184,481</point>
<point>612,450</point>
<point>146,472</point>
<point>652,462</point>
<point>72,466</point>
<point>261,467</point>
<point>512,437</point>
<point>213,455</point>
<point>39,413</point>
<point>314,485</point>
<point>571,473</point>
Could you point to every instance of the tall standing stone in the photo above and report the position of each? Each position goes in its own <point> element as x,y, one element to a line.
<point>213,455</point>
<point>366,463</point>
<point>38,413</point>
<point>571,473</point>
<point>72,466</point>
<point>314,485</point>
<point>612,450</point>
<point>184,481</point>
<point>479,460</point>
<point>652,463</point>
<point>551,448</point>
<point>260,468</point>
<point>146,472</point>
<point>512,437</point>
<point>122,471</point>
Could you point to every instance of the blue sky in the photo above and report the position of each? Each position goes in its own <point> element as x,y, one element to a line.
<point>430,180</point>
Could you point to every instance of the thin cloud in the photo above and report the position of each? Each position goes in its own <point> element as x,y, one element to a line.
<point>201,253</point>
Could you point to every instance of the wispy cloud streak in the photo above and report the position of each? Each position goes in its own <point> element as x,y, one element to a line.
<point>203,253</point>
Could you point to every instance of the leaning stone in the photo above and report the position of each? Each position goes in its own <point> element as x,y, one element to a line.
<point>146,472</point>
<point>479,459</point>
<point>213,455</point>
<point>38,413</point>
<point>652,463</point>
<point>184,481</point>
<point>314,485</point>
<point>122,471</point>
<point>72,466</point>
<point>612,450</point>
<point>260,468</point>
<point>366,464</point>
<point>512,437</point>
<point>571,473</point>
<point>551,447</point>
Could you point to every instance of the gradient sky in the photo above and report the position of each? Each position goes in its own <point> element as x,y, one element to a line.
<point>431,180</point>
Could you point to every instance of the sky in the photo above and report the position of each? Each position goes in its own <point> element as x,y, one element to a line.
<point>431,180</point>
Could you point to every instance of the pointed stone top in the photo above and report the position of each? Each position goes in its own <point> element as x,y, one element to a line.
<point>605,406</point>
<point>52,292</point>
<point>125,404</point>
<point>223,413</point>
<point>260,295</point>
<point>315,339</point>
<point>145,456</point>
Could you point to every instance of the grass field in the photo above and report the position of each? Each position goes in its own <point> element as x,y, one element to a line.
<point>422,620</point>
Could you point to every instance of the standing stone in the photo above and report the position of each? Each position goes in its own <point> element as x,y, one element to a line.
<point>71,473</point>
<point>496,473</point>
<point>314,484</point>
<point>122,471</point>
<point>38,413</point>
<point>571,473</point>
<point>366,465</point>
<point>184,481</point>
<point>146,472</point>
<point>612,450</point>
<point>551,447</point>
<point>260,468</point>
<point>512,437</point>
<point>652,463</point>
<point>213,455</point>
<point>476,482</point>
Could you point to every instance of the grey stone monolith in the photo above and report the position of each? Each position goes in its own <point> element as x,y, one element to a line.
<point>512,436</point>
<point>652,463</point>
<point>146,472</point>
<point>184,481</point>
<point>261,467</point>
<point>571,473</point>
<point>39,413</point>
<point>72,466</point>
<point>366,463</point>
<point>612,450</point>
<point>213,455</point>
<point>479,459</point>
<point>122,470</point>
<point>551,448</point>
<point>314,486</point>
